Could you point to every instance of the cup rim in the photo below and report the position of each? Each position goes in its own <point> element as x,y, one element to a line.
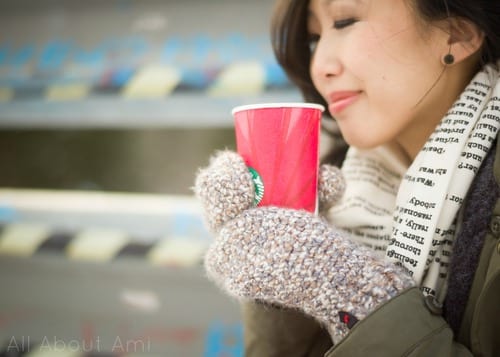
<point>241,108</point>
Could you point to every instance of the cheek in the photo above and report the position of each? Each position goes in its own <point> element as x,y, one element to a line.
<point>364,57</point>
<point>387,72</point>
<point>388,46</point>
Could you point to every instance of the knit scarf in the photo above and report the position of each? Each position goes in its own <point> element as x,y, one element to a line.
<point>409,214</point>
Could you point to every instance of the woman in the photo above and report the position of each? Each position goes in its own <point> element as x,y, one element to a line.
<point>406,261</point>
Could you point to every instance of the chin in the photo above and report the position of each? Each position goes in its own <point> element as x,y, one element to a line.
<point>363,142</point>
<point>361,135</point>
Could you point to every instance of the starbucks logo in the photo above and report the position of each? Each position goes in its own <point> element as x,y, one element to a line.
<point>258,185</point>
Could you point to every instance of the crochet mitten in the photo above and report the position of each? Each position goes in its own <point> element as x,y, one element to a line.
<point>295,259</point>
<point>290,257</point>
<point>225,188</point>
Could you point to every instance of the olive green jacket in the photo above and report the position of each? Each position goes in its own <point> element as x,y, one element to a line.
<point>408,325</point>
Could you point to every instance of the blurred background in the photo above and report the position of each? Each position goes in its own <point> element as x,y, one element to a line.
<point>107,109</point>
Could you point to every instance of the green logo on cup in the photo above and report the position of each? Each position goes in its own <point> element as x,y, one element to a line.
<point>258,184</point>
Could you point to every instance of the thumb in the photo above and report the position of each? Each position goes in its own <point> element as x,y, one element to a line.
<point>331,186</point>
<point>224,188</point>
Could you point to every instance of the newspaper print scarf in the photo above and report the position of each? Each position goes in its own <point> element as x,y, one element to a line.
<point>409,214</point>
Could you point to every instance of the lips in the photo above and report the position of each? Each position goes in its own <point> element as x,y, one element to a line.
<point>341,99</point>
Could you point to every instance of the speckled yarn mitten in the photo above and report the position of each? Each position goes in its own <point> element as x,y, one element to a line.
<point>295,259</point>
<point>290,257</point>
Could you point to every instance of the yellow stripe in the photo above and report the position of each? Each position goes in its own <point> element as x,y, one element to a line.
<point>6,94</point>
<point>244,78</point>
<point>55,201</point>
<point>177,252</point>
<point>22,240</point>
<point>46,350</point>
<point>96,245</point>
<point>67,91</point>
<point>152,82</point>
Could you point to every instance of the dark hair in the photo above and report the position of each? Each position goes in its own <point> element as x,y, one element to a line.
<point>290,40</point>
<point>290,43</point>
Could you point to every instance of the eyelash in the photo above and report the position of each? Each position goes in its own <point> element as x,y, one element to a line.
<point>340,24</point>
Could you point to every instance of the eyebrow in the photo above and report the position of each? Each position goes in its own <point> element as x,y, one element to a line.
<point>328,2</point>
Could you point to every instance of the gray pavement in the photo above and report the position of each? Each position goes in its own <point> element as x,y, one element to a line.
<point>50,304</point>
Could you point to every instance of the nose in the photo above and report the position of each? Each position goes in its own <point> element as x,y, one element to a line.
<point>325,63</point>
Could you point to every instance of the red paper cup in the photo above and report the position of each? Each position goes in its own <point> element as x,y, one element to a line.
<point>280,145</point>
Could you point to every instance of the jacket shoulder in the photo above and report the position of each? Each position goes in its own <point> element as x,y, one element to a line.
<point>481,321</point>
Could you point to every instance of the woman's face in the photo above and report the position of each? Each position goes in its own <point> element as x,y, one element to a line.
<point>374,64</point>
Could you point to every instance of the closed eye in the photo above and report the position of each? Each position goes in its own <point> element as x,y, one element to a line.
<point>340,24</point>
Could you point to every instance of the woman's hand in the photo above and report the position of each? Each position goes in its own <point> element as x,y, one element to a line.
<point>295,259</point>
<point>331,186</point>
<point>225,188</point>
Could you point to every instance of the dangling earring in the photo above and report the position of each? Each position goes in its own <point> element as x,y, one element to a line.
<point>449,59</point>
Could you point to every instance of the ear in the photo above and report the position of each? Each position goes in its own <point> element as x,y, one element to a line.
<point>465,38</point>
